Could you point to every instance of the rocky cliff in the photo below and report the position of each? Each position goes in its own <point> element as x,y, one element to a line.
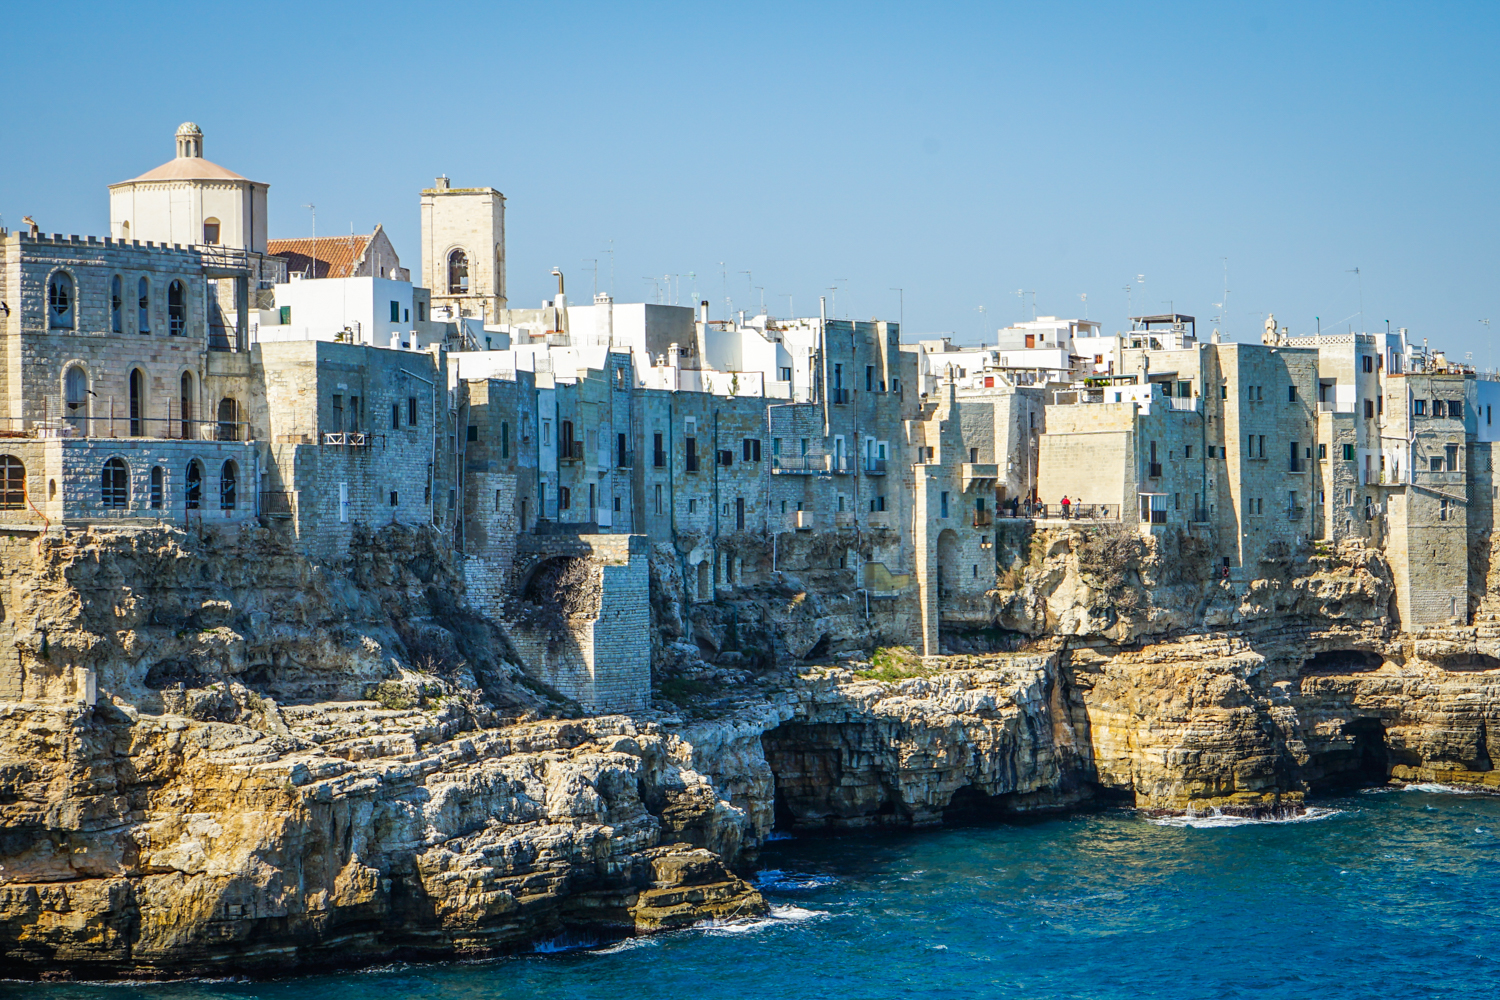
<point>219,757</point>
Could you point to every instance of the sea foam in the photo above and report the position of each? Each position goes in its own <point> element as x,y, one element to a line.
<point>1215,819</point>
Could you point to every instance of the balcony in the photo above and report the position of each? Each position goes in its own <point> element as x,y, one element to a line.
<point>983,518</point>
<point>624,459</point>
<point>803,465</point>
<point>1155,471</point>
<point>1333,406</point>
<point>1190,404</point>
<point>1296,513</point>
<point>348,439</point>
<point>883,519</point>
<point>874,466</point>
<point>838,395</point>
<point>279,503</point>
<point>983,473</point>
<point>843,519</point>
<point>1200,515</point>
<point>570,451</point>
<point>1070,512</point>
<point>802,520</point>
<point>149,428</point>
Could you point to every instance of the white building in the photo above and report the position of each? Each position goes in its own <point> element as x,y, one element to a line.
<point>189,200</point>
<point>375,311</point>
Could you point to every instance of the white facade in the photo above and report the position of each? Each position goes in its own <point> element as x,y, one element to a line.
<point>190,201</point>
<point>376,311</point>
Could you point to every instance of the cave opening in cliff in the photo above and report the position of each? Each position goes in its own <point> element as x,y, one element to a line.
<point>1361,759</point>
<point>1341,661</point>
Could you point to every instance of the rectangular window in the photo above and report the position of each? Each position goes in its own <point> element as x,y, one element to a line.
<point>617,505</point>
<point>1322,452</point>
<point>1444,506</point>
<point>1262,452</point>
<point>1369,409</point>
<point>1291,394</point>
<point>1451,454</point>
<point>338,412</point>
<point>786,374</point>
<point>473,434</point>
<point>395,416</point>
<point>944,512</point>
<point>1224,391</point>
<point>1368,362</point>
<point>692,506</point>
<point>497,501</point>
<point>658,456</point>
<point>869,378</point>
<point>691,463</point>
<point>1348,452</point>
<point>1184,389</point>
<point>546,432</point>
<point>285,315</point>
<point>726,457</point>
<point>895,385</point>
<point>504,439</point>
<point>739,514</point>
<point>395,312</point>
<point>622,457</point>
<point>1439,408</point>
<point>1187,452</point>
<point>564,498</point>
<point>1418,407</point>
<point>1455,410</point>
<point>656,506</point>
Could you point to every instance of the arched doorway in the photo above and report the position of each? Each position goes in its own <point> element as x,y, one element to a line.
<point>188,395</point>
<point>76,400</point>
<point>458,273</point>
<point>193,495</point>
<point>137,402</point>
<point>115,485</point>
<point>229,426</point>
<point>228,481</point>
<point>948,573</point>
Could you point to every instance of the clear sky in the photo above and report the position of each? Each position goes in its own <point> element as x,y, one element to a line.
<point>959,152</point>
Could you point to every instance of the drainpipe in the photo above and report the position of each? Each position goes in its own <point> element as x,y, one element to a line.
<point>823,357</point>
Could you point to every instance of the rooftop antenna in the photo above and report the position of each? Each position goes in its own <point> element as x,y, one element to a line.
<point>901,321</point>
<point>749,283</point>
<point>980,311</point>
<point>1486,327</point>
<point>724,279</point>
<point>762,290</point>
<point>790,311</point>
<point>595,262</point>
<point>1033,303</point>
<point>1084,298</point>
<point>693,281</point>
<point>1224,308</point>
<point>1359,278</point>
<point>1021,296</point>
<point>314,210</point>
<point>1128,307</point>
<point>611,252</point>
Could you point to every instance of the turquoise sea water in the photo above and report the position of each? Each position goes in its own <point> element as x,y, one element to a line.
<point>1388,894</point>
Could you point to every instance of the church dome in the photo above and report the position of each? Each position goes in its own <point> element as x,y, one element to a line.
<point>189,128</point>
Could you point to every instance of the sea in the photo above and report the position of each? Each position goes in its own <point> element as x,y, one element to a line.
<point>1383,894</point>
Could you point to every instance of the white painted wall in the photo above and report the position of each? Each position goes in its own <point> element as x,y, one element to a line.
<point>322,308</point>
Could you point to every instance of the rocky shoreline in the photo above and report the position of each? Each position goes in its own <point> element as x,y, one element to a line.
<point>237,770</point>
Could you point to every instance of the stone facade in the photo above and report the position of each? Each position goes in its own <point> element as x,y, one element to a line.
<point>468,222</point>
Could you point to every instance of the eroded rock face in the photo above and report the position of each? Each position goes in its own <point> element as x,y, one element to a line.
<point>274,765</point>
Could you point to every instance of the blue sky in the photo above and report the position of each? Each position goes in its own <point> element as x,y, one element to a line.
<point>959,152</point>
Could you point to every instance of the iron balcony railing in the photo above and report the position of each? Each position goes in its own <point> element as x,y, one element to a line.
<point>1296,513</point>
<point>570,451</point>
<point>1155,471</point>
<point>1071,511</point>
<point>800,464</point>
<point>278,503</point>
<point>875,466</point>
<point>125,426</point>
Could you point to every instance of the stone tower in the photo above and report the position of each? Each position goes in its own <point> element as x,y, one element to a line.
<point>463,250</point>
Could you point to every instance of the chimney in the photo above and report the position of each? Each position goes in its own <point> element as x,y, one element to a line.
<point>703,312</point>
<point>441,183</point>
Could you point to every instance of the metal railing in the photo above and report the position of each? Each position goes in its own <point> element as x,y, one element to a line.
<point>1155,471</point>
<point>570,451</point>
<point>800,464</point>
<point>349,439</point>
<point>278,503</point>
<point>839,395</point>
<point>1072,512</point>
<point>117,426</point>
<point>624,459</point>
<point>875,466</point>
<point>1334,406</point>
<point>1189,403</point>
<point>1296,513</point>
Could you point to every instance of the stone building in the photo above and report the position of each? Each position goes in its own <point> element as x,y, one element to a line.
<point>367,255</point>
<point>463,250</point>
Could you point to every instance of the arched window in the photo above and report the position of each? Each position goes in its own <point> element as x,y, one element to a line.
<point>125,231</point>
<point>137,402</point>
<point>115,492</point>
<point>116,305</point>
<point>158,487</point>
<point>458,273</point>
<point>229,427</point>
<point>12,483</point>
<point>60,301</point>
<point>227,476</point>
<point>193,497</point>
<point>76,399</point>
<point>211,231</point>
<point>176,309</point>
<point>143,294</point>
<point>187,405</point>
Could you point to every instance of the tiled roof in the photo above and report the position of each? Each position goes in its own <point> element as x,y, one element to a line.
<point>188,168</point>
<point>336,256</point>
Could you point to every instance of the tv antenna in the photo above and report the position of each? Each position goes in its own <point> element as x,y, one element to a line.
<point>595,262</point>
<point>1361,280</point>
<point>1084,298</point>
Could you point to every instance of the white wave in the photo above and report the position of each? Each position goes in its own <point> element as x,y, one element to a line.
<point>627,944</point>
<point>564,942</point>
<point>778,916</point>
<point>1214,819</point>
<point>779,881</point>
<point>1434,788</point>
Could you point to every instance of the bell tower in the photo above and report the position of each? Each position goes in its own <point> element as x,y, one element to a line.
<point>463,251</point>
<point>189,141</point>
